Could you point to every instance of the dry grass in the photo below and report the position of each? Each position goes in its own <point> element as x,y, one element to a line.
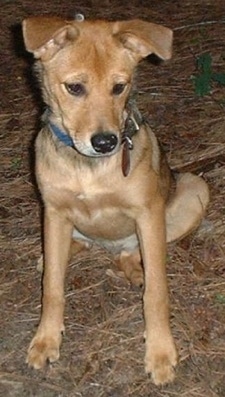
<point>102,352</point>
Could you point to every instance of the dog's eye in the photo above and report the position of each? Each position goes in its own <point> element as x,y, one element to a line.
<point>118,88</point>
<point>76,89</point>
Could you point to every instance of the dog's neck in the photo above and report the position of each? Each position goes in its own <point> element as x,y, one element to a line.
<point>132,126</point>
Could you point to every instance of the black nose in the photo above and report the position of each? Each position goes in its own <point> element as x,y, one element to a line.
<point>104,142</point>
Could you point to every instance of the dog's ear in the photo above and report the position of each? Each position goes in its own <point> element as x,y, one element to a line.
<point>45,36</point>
<point>144,38</point>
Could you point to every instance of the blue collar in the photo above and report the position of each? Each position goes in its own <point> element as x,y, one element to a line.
<point>64,138</point>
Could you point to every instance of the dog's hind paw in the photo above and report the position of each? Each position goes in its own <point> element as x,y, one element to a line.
<point>130,264</point>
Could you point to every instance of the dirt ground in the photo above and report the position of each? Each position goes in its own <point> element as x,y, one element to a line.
<point>103,349</point>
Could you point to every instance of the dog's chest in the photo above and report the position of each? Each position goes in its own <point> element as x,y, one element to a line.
<point>100,212</point>
<point>97,199</point>
<point>96,206</point>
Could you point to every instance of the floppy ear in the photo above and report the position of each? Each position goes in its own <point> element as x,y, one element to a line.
<point>144,38</point>
<point>44,36</point>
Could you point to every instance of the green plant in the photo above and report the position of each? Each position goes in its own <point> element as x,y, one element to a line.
<point>205,76</point>
<point>220,298</point>
<point>16,163</point>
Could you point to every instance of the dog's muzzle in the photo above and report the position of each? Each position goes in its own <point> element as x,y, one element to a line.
<point>104,142</point>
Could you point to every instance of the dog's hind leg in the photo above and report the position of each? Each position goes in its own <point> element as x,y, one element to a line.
<point>186,210</point>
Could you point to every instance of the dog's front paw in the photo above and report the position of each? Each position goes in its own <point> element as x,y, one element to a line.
<point>161,362</point>
<point>43,349</point>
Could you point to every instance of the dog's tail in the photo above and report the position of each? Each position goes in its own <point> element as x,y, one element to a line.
<point>187,208</point>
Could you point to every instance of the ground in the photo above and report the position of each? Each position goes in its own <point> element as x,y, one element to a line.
<point>103,349</point>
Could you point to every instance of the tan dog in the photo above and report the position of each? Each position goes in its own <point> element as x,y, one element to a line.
<point>101,174</point>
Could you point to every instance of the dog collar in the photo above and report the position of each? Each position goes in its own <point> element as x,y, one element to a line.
<point>64,138</point>
<point>131,127</point>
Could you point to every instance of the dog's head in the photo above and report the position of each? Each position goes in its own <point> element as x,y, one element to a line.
<point>86,69</point>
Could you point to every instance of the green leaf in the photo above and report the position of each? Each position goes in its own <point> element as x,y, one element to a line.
<point>202,85</point>
<point>219,78</point>
<point>204,63</point>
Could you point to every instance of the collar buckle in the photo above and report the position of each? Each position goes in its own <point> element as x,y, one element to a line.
<point>132,126</point>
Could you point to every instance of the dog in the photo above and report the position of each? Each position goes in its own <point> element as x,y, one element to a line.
<point>102,175</point>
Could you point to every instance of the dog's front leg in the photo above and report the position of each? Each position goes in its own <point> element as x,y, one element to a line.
<point>161,355</point>
<point>57,239</point>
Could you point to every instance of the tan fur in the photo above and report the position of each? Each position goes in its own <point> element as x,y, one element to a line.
<point>86,194</point>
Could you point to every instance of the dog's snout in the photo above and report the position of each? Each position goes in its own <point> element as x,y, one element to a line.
<point>104,142</point>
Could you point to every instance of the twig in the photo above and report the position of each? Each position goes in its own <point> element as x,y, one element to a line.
<point>198,24</point>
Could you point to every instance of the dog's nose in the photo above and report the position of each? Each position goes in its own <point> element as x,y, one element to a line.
<point>104,142</point>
